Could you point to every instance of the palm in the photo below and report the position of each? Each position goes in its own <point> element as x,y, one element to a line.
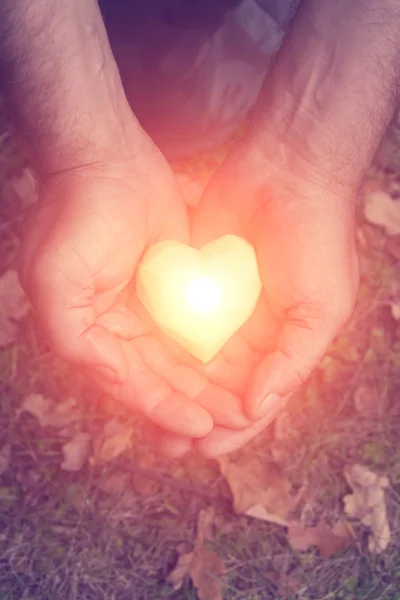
<point>303,236</point>
<point>79,264</point>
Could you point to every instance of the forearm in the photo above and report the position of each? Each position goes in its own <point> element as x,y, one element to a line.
<point>61,82</point>
<point>332,89</point>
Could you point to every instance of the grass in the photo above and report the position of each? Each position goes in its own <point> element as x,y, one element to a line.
<point>110,532</point>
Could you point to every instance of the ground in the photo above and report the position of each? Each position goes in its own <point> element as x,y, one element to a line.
<point>115,526</point>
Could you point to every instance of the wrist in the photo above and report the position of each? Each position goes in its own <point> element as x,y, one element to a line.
<point>63,86</point>
<point>331,91</point>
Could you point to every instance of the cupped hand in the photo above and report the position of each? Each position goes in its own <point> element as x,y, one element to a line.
<point>303,231</point>
<point>79,258</point>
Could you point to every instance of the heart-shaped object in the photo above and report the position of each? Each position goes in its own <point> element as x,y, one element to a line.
<point>200,297</point>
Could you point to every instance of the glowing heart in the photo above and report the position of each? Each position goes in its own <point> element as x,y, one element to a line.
<point>200,297</point>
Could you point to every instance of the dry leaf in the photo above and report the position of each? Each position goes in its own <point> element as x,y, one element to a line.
<point>141,484</point>
<point>13,301</point>
<point>5,458</point>
<point>50,414</point>
<point>63,414</point>
<point>117,439</point>
<point>76,452</point>
<point>8,331</point>
<point>365,400</point>
<point>25,187</point>
<point>257,491</point>
<point>380,209</point>
<point>38,406</point>
<point>13,306</point>
<point>203,566</point>
<point>283,426</point>
<point>328,540</point>
<point>367,504</point>
<point>395,310</point>
<point>180,571</point>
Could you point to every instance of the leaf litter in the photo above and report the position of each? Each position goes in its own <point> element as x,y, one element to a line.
<point>5,458</point>
<point>259,492</point>
<point>380,209</point>
<point>13,306</point>
<point>115,438</point>
<point>50,413</point>
<point>203,566</point>
<point>367,504</point>
<point>76,452</point>
<point>328,540</point>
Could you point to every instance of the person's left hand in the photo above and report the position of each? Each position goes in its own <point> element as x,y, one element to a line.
<point>303,231</point>
<point>78,265</point>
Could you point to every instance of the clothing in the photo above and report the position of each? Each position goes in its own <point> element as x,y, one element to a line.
<point>192,69</point>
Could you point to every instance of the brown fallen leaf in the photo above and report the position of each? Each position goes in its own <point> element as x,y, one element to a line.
<point>13,306</point>
<point>206,565</point>
<point>203,566</point>
<point>76,452</point>
<point>328,540</point>
<point>115,439</point>
<point>24,186</point>
<point>380,209</point>
<point>50,413</point>
<point>257,491</point>
<point>365,400</point>
<point>38,406</point>
<point>141,484</point>
<point>367,503</point>
<point>395,310</point>
<point>180,571</point>
<point>283,426</point>
<point>5,458</point>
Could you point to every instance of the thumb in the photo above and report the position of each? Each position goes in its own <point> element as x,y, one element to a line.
<point>299,348</point>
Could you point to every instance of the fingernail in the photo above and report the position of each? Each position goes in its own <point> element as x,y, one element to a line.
<point>107,373</point>
<point>269,404</point>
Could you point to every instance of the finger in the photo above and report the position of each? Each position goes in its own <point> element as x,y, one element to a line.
<point>224,441</point>
<point>168,444</point>
<point>149,394</point>
<point>301,344</point>
<point>124,322</point>
<point>224,407</point>
<point>231,367</point>
<point>174,446</point>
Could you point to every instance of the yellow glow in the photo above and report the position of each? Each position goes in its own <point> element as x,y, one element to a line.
<point>203,295</point>
<point>200,297</point>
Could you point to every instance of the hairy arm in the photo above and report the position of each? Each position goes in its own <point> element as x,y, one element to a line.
<point>332,89</point>
<point>61,82</point>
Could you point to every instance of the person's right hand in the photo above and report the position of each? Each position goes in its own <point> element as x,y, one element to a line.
<point>79,257</point>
